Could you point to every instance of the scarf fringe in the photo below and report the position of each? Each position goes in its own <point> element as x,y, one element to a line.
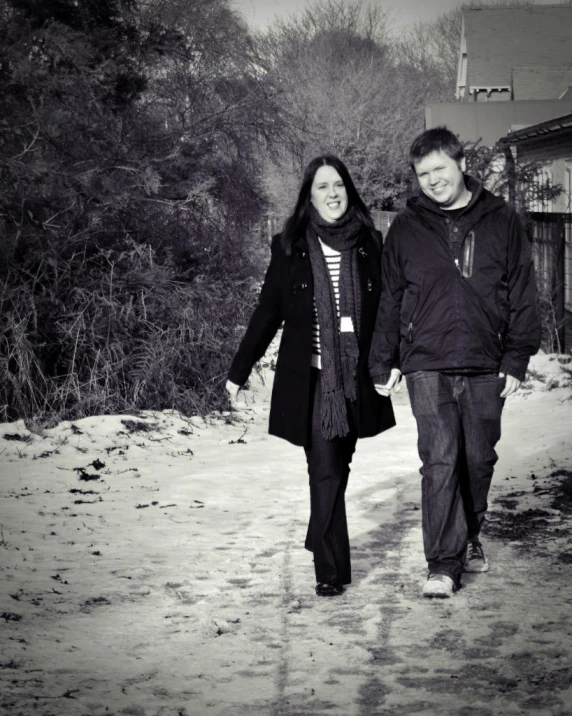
<point>334,415</point>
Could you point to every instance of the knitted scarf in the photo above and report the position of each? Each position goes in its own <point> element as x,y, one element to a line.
<point>339,350</point>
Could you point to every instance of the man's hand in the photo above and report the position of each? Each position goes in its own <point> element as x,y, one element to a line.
<point>511,386</point>
<point>392,386</point>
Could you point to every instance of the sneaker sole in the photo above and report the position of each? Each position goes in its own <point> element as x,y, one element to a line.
<point>437,595</point>
<point>475,569</point>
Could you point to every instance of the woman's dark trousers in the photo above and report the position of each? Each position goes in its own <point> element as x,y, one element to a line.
<point>459,423</point>
<point>328,469</point>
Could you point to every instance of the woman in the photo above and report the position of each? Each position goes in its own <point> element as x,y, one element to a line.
<point>323,283</point>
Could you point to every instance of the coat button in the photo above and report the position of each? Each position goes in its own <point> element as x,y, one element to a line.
<point>369,285</point>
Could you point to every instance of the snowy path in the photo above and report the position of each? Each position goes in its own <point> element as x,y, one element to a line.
<point>175,583</point>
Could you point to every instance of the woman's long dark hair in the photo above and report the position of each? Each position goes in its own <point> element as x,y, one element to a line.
<point>296,224</point>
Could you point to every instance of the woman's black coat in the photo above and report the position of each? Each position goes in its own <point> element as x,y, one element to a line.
<point>287,297</point>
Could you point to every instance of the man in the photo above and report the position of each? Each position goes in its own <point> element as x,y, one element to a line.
<point>458,316</point>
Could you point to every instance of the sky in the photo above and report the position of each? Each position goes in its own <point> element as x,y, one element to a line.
<point>260,13</point>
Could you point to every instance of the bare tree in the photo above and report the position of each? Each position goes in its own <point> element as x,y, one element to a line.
<point>342,90</point>
<point>433,47</point>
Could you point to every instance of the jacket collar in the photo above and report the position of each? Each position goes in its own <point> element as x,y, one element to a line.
<point>300,245</point>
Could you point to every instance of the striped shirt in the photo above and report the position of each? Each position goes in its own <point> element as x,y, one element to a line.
<point>333,262</point>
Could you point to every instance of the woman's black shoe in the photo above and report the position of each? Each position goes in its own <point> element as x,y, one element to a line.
<point>329,589</point>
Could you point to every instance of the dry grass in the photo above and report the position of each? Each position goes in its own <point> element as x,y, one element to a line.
<point>119,339</point>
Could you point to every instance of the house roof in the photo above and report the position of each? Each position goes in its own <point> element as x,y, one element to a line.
<point>540,82</point>
<point>558,125</point>
<point>500,39</point>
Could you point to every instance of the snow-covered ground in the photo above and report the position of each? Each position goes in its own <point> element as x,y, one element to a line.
<point>153,565</point>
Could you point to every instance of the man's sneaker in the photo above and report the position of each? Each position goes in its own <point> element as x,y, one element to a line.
<point>440,586</point>
<point>475,560</point>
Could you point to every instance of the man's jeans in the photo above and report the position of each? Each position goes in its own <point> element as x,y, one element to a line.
<point>459,423</point>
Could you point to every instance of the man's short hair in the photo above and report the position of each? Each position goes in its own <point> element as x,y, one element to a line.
<point>438,139</point>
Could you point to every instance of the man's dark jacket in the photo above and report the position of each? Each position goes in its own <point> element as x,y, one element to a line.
<point>287,297</point>
<point>459,294</point>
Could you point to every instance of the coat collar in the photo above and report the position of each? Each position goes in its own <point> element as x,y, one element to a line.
<point>300,245</point>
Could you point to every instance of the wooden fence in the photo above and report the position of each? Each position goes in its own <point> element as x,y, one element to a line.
<point>551,240</point>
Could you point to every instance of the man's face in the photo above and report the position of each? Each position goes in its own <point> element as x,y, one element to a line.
<point>441,179</point>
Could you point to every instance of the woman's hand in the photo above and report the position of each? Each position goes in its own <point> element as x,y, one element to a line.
<point>232,390</point>
<point>393,385</point>
<point>238,397</point>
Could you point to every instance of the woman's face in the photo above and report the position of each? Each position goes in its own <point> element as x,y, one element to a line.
<point>328,194</point>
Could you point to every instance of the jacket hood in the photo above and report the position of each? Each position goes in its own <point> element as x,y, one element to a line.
<point>481,198</point>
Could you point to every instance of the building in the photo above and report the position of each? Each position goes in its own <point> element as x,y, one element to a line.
<point>549,145</point>
<point>515,53</point>
<point>514,70</point>
<point>487,122</point>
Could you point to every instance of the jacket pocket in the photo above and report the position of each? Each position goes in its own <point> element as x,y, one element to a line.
<point>468,255</point>
<point>409,316</point>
